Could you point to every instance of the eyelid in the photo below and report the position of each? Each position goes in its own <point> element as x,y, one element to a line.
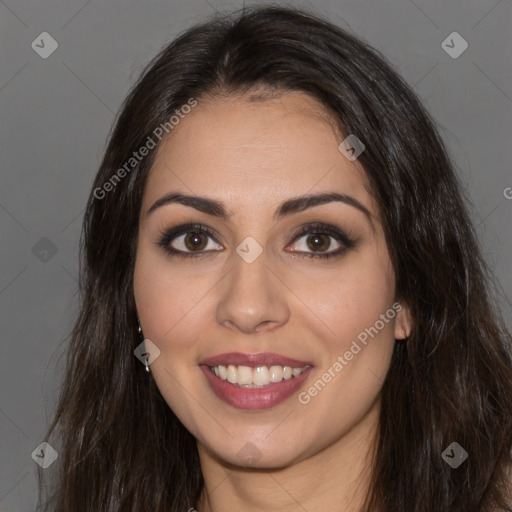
<point>325,229</point>
<point>167,236</point>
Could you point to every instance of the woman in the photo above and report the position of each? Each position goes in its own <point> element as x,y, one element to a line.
<point>284,302</point>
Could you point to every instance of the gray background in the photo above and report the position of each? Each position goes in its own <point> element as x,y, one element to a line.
<point>56,114</point>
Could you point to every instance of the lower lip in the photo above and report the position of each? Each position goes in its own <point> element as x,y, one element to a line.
<point>254,398</point>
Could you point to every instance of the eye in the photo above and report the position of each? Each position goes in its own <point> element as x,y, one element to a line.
<point>318,239</point>
<point>193,240</point>
<point>184,241</point>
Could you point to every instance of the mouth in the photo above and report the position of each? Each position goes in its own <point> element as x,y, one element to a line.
<point>258,377</point>
<point>254,381</point>
<point>253,360</point>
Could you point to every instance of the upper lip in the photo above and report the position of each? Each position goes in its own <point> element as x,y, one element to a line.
<point>253,360</point>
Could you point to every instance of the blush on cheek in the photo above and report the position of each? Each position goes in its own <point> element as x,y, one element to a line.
<point>366,331</point>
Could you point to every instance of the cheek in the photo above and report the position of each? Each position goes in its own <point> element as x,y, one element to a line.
<point>360,304</point>
<point>167,302</point>
<point>352,301</point>
<point>356,353</point>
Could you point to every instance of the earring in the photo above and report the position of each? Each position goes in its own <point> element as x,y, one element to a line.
<point>142,337</point>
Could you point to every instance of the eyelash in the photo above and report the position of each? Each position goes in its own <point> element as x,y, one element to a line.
<point>317,228</point>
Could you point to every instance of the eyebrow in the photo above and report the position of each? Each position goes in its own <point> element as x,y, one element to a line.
<point>294,205</point>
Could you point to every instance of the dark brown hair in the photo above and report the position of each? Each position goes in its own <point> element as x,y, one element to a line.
<point>121,448</point>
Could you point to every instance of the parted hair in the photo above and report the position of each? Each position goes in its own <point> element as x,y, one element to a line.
<point>121,448</point>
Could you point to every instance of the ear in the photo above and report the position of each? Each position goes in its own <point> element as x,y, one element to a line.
<point>403,322</point>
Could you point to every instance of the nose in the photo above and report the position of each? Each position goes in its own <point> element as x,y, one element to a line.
<point>252,297</point>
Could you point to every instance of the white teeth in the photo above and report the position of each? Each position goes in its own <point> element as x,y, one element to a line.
<point>260,376</point>
<point>232,374</point>
<point>276,373</point>
<point>257,377</point>
<point>244,375</point>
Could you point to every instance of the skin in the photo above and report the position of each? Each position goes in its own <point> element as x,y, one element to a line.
<point>252,156</point>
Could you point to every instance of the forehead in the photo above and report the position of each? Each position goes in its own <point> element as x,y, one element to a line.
<point>255,153</point>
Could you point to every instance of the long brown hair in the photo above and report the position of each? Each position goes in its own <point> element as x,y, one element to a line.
<point>121,448</point>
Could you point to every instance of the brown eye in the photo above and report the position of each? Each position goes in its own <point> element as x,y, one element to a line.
<point>189,240</point>
<point>314,240</point>
<point>195,241</point>
<point>318,242</point>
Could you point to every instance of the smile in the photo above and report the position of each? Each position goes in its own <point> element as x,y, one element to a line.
<point>258,377</point>
<point>255,396</point>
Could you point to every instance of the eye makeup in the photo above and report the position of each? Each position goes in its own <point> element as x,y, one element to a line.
<point>316,229</point>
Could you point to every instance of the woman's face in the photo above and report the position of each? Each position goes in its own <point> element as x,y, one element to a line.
<point>254,298</point>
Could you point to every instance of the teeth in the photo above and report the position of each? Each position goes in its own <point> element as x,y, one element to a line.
<point>260,376</point>
<point>247,377</point>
